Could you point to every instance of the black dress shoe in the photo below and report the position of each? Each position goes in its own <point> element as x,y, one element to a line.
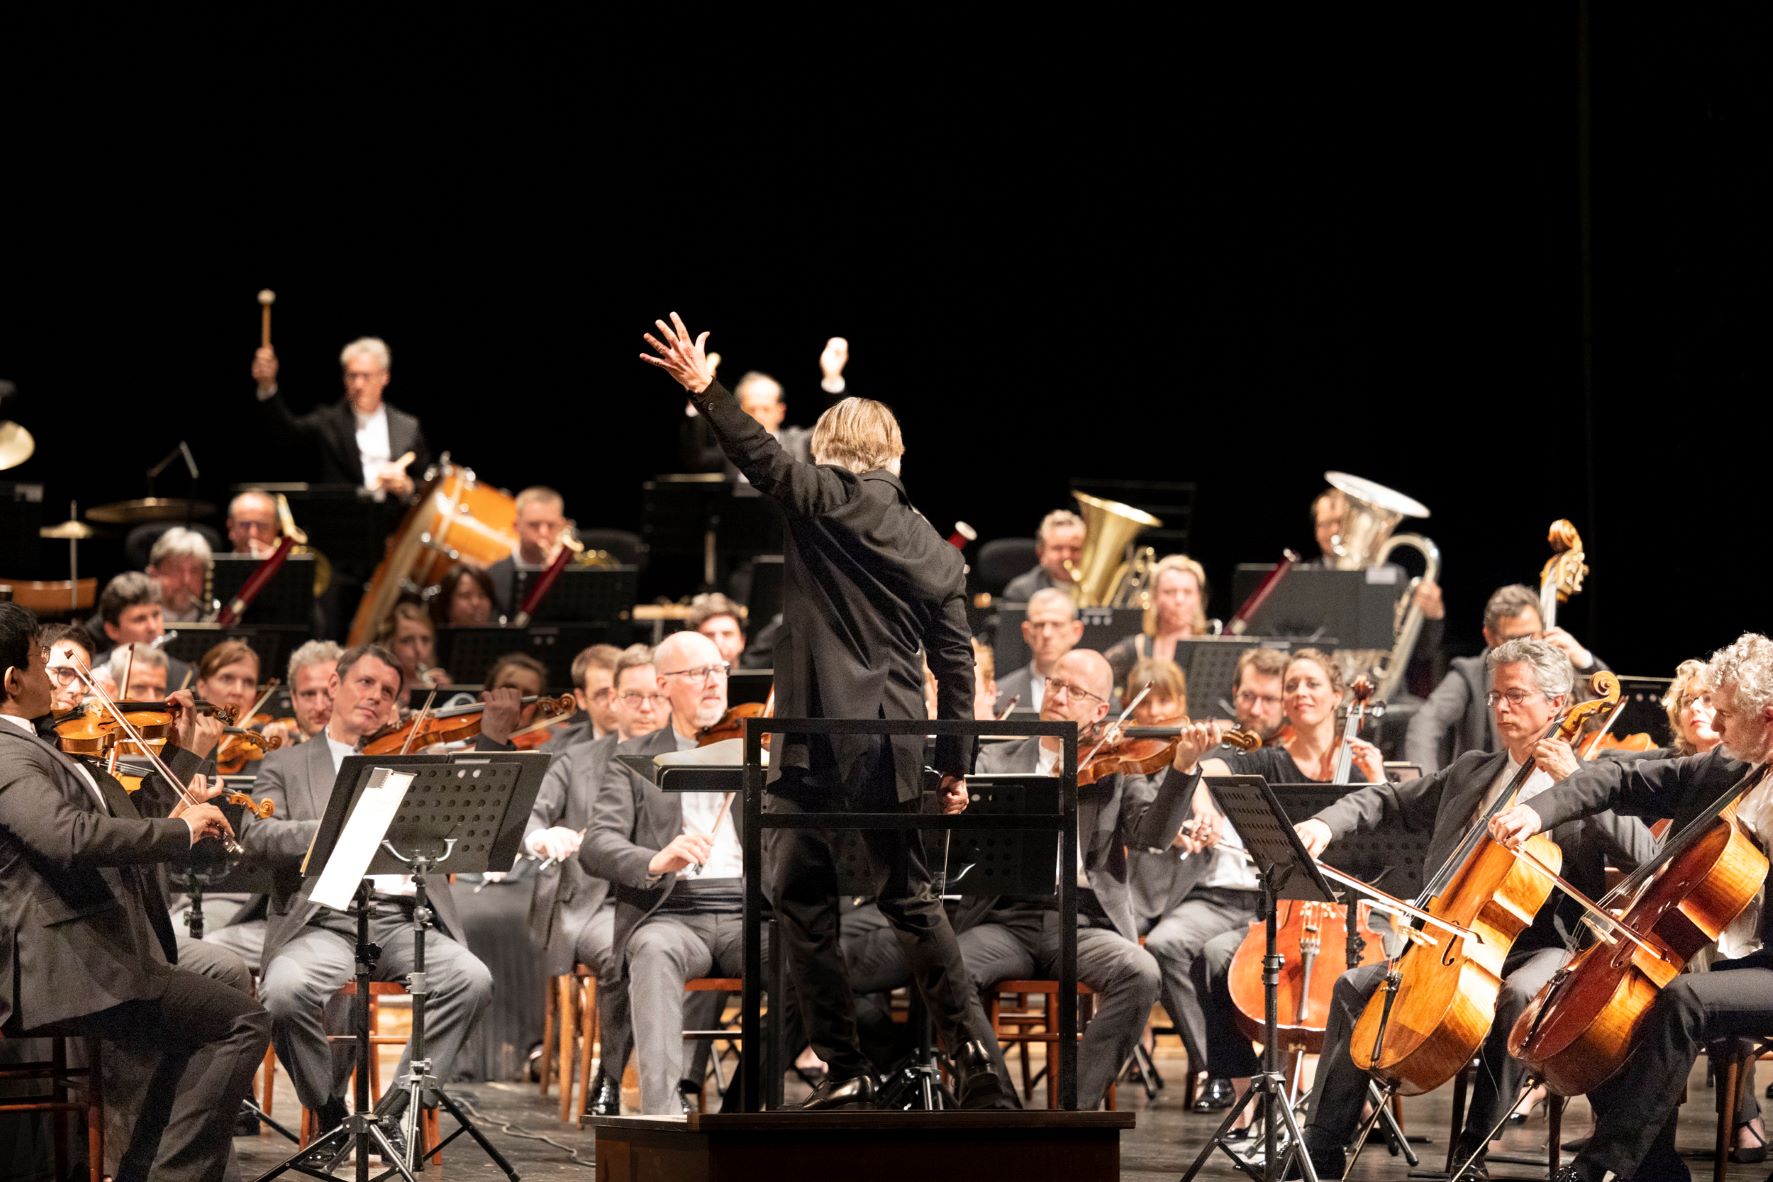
<point>1219,1094</point>
<point>606,1097</point>
<point>976,1080</point>
<point>396,1142</point>
<point>855,1092</point>
<point>1328,1161</point>
<point>246,1124</point>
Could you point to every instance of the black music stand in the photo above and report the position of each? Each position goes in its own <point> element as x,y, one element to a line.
<point>1288,872</point>
<point>581,595</point>
<point>288,599</point>
<point>468,809</point>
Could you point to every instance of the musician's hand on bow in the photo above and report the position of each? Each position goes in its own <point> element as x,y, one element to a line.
<point>680,356</point>
<point>1557,757</point>
<point>504,709</point>
<point>1513,826</point>
<point>954,795</point>
<point>205,820</point>
<point>193,730</point>
<point>555,844</point>
<point>1314,835</point>
<point>1196,739</point>
<point>264,368</point>
<point>1368,759</point>
<point>683,850</point>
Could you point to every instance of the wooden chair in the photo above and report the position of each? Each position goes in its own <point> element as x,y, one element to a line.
<point>1024,1026</point>
<point>377,1040</point>
<point>722,1034</point>
<point>571,1014</point>
<point>70,1090</point>
<point>1462,1083</point>
<point>1735,1059</point>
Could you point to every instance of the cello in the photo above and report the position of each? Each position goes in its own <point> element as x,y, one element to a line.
<point>1579,1029</point>
<point>1437,1004</point>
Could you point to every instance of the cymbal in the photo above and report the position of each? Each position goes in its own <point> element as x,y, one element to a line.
<point>64,531</point>
<point>16,445</point>
<point>150,509</point>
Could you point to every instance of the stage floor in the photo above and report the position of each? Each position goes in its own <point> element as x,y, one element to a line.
<point>1164,1141</point>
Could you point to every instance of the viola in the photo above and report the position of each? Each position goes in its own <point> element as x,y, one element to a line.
<point>1439,1000</point>
<point>1362,689</point>
<point>1146,750</point>
<point>1579,1029</point>
<point>458,724</point>
<point>241,746</point>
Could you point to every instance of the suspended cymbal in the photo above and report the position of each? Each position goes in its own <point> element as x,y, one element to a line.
<point>150,509</point>
<point>78,531</point>
<point>16,445</point>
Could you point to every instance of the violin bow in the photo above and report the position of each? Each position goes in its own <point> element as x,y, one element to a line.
<point>418,721</point>
<point>1115,725</point>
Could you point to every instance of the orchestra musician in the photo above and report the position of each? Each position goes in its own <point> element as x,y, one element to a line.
<point>145,668</point>
<point>130,613</point>
<point>70,646</point>
<point>85,941</point>
<point>722,621</point>
<point>180,562</point>
<point>1636,1109</point>
<point>868,582</point>
<point>1531,681</point>
<point>358,439</point>
<point>1258,695</point>
<point>572,914</point>
<point>1050,629</point>
<point>465,598</point>
<point>984,680</point>
<point>410,635</point>
<point>593,672</point>
<point>252,523</point>
<point>1176,612</point>
<point>228,675</point>
<point>1455,711</point>
<point>1057,543</point>
<point>540,523</point>
<point>310,693</point>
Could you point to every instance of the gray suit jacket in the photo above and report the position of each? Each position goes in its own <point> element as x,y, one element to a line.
<point>1456,710</point>
<point>83,926</point>
<point>1446,802</point>
<point>1022,588</point>
<point>566,898</point>
<point>299,782</point>
<point>1141,811</point>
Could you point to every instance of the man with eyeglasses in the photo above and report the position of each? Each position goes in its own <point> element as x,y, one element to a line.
<point>870,592</point>
<point>1455,715</point>
<point>1531,684</point>
<point>1007,938</point>
<point>1050,629</point>
<point>1256,694</point>
<point>1637,1107</point>
<point>593,689</point>
<point>67,644</point>
<point>572,914</point>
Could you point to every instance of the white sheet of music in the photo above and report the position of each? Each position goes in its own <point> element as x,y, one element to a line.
<point>362,835</point>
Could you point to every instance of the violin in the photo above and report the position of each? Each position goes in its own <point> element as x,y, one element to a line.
<point>731,725</point>
<point>457,724</point>
<point>1146,750</point>
<point>241,746</point>
<point>1579,1029</point>
<point>92,731</point>
<point>1438,1004</point>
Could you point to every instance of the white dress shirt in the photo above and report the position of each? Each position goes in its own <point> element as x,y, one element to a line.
<point>1755,811</point>
<point>373,444</point>
<point>726,859</point>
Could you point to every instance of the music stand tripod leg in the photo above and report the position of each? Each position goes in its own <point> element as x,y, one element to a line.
<point>1381,1109</point>
<point>1528,1083</point>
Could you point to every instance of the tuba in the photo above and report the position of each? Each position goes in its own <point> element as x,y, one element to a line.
<point>1371,513</point>
<point>1103,576</point>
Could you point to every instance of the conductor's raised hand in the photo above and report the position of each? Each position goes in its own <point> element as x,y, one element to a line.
<point>683,850</point>
<point>679,355</point>
<point>264,368</point>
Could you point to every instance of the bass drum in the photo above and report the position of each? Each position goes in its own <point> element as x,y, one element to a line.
<point>456,519</point>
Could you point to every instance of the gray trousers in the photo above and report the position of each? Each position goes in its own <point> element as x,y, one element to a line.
<point>1177,941</point>
<point>1341,1088</point>
<point>308,970</point>
<point>1125,977</point>
<point>664,952</point>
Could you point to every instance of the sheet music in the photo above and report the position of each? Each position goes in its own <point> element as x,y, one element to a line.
<point>361,837</point>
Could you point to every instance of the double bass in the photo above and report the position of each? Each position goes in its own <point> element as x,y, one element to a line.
<point>1439,1001</point>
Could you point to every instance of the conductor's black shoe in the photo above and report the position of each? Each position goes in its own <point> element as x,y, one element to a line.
<point>855,1092</point>
<point>1219,1094</point>
<point>606,1097</point>
<point>977,1083</point>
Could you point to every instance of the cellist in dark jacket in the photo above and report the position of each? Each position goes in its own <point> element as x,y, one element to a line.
<point>871,591</point>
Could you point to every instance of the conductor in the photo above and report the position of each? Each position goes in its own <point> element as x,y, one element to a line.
<point>870,587</point>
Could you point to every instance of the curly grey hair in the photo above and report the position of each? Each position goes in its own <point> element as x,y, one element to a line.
<point>1551,668</point>
<point>1746,667</point>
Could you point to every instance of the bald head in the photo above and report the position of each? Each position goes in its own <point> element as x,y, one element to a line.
<point>1090,669</point>
<point>1077,690</point>
<point>692,677</point>
<point>685,649</point>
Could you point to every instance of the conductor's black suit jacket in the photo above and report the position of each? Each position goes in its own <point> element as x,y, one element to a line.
<point>83,926</point>
<point>869,586</point>
<point>332,431</point>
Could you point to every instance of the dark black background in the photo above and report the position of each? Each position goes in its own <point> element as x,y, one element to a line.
<point>1228,248</point>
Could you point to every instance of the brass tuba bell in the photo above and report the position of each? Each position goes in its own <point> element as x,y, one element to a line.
<point>1103,575</point>
<point>1370,514</point>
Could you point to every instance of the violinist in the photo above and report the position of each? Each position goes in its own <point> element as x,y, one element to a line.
<point>70,646</point>
<point>1258,694</point>
<point>310,694</point>
<point>146,669</point>
<point>1005,938</point>
<point>1058,543</point>
<point>359,439</point>
<point>1531,681</point>
<point>130,613</point>
<point>1177,611</point>
<point>524,674</point>
<point>572,914</point>
<point>1454,715</point>
<point>308,948</point>
<point>593,689</point>
<point>228,675</point>
<point>90,948</point>
<point>180,563</point>
<point>540,524</point>
<point>1635,1109</point>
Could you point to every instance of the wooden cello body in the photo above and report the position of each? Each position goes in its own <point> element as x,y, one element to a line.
<point>1315,936</point>
<point>1580,1028</point>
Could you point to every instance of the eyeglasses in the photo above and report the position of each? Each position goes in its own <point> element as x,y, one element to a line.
<point>63,674</point>
<point>701,672</point>
<point>1251,698</point>
<point>635,698</point>
<point>1055,686</point>
<point>1515,697</point>
<point>1691,700</point>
